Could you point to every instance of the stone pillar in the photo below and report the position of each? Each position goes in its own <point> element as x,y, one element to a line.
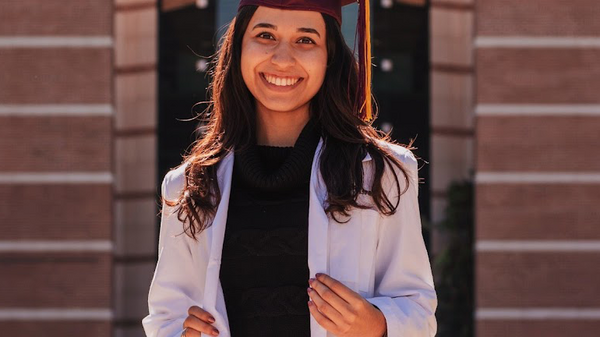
<point>135,155</point>
<point>452,120</point>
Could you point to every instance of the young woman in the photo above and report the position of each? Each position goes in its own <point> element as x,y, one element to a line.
<point>291,215</point>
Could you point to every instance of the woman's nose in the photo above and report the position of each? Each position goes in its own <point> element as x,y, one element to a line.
<point>283,56</point>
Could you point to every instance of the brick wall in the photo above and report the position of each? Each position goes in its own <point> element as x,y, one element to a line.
<point>56,116</point>
<point>538,167</point>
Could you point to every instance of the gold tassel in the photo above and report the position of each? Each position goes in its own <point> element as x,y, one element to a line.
<point>368,102</point>
<point>364,32</point>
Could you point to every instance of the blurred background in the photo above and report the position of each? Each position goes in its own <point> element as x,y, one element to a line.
<point>501,97</point>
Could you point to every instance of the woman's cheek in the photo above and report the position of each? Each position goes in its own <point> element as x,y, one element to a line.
<point>319,72</point>
<point>248,64</point>
<point>321,61</point>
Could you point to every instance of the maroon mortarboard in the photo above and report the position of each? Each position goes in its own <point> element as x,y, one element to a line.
<point>334,9</point>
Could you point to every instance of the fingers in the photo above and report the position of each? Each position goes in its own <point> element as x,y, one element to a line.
<point>189,332</point>
<point>325,308</point>
<point>195,326</point>
<point>201,313</point>
<point>323,293</point>
<point>198,322</point>
<point>320,318</point>
<point>339,288</point>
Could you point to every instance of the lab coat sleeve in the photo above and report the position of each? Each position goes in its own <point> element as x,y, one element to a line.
<point>404,289</point>
<point>174,288</point>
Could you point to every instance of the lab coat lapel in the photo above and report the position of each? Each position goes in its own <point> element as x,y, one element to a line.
<point>319,231</point>
<point>213,293</point>
<point>318,224</point>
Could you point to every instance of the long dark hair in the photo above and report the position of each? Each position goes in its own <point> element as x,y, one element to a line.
<point>231,113</point>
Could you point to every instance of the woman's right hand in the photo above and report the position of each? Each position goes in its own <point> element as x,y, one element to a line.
<point>199,321</point>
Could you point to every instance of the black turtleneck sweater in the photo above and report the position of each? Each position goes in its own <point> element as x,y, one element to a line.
<point>264,269</point>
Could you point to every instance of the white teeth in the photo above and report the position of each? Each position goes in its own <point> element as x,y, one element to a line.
<point>281,81</point>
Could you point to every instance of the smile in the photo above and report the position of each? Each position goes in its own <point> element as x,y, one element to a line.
<point>281,81</point>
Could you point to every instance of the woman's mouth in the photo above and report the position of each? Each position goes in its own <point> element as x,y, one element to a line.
<point>280,83</point>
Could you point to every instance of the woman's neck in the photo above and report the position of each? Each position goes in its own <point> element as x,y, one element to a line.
<point>277,128</point>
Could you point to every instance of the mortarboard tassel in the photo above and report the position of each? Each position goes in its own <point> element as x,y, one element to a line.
<point>363,28</point>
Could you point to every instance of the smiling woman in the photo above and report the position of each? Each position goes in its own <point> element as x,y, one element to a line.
<point>300,219</point>
<point>284,59</point>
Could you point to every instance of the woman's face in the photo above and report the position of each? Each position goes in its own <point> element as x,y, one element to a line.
<point>284,57</point>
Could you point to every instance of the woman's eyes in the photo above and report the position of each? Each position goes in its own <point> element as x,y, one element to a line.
<point>265,36</point>
<point>307,40</point>
<point>302,40</point>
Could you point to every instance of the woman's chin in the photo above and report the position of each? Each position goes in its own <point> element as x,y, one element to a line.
<point>285,107</point>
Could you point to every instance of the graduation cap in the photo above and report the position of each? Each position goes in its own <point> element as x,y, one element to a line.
<point>334,9</point>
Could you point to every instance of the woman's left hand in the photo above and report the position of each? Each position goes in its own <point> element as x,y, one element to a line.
<point>342,311</point>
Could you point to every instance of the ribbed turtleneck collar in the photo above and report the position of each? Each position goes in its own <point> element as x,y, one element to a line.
<point>295,169</point>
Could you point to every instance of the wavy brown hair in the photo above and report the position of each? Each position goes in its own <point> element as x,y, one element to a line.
<point>231,113</point>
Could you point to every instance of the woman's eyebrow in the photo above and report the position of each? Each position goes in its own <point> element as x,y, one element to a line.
<point>265,25</point>
<point>309,30</point>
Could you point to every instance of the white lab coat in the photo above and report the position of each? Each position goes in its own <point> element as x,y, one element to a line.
<point>384,259</point>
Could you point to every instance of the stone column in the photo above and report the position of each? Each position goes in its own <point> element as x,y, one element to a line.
<point>136,193</point>
<point>452,118</point>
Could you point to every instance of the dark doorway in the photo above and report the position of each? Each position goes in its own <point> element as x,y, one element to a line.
<point>185,45</point>
<point>400,41</point>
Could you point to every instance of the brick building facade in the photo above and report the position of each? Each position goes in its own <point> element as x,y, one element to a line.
<point>537,130</point>
<point>513,106</point>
